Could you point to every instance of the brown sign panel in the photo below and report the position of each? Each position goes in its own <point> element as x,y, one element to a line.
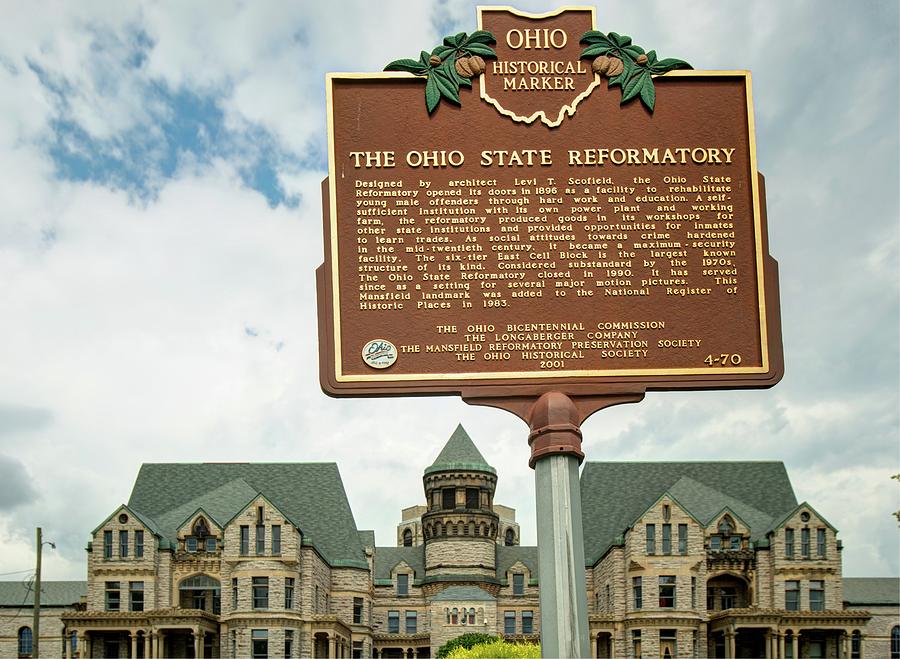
<point>542,239</point>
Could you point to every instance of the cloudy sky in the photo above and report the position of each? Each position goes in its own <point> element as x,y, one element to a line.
<point>160,224</point>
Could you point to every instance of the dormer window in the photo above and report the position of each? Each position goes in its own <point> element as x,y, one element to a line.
<point>667,512</point>
<point>201,528</point>
<point>726,525</point>
<point>190,545</point>
<point>403,584</point>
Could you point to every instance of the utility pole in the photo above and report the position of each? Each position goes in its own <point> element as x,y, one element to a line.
<point>36,624</point>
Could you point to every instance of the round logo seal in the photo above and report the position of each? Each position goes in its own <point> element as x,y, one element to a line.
<point>379,353</point>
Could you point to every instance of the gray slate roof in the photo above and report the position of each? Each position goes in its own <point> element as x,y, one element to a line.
<point>464,593</point>
<point>460,453</point>
<point>386,558</point>
<point>509,556</point>
<point>615,494</point>
<point>311,495</point>
<point>859,591</point>
<point>15,594</point>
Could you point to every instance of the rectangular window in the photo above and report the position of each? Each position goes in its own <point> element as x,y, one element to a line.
<point>211,545</point>
<point>855,646</point>
<point>518,583</point>
<point>138,544</point>
<point>509,623</point>
<point>789,542</point>
<point>668,643</point>
<point>260,539</point>
<point>412,622</point>
<point>636,643</point>
<point>123,544</point>
<point>693,592</point>
<point>199,600</point>
<point>288,643</point>
<point>403,584</point>
<point>651,538</point>
<point>260,592</point>
<point>448,498</point>
<point>473,498</point>
<point>245,540</point>
<point>217,601</point>
<point>527,622</point>
<point>728,597</point>
<point>820,543</point>
<point>136,595</point>
<point>112,595</point>
<point>816,595</point>
<point>667,538</point>
<point>190,545</point>
<point>234,593</point>
<point>357,650</point>
<point>276,539</point>
<point>393,622</point>
<point>289,592</point>
<point>715,543</point>
<point>792,595</point>
<point>667,591</point>
<point>735,542</point>
<point>638,592</point>
<point>357,610</point>
<point>804,543</point>
<point>608,598</point>
<point>107,544</point>
<point>682,539</point>
<point>259,639</point>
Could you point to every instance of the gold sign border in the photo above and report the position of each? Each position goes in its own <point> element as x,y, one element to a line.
<point>543,375</point>
<point>564,111</point>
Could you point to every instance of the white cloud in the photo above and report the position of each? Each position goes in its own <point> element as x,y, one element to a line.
<point>182,326</point>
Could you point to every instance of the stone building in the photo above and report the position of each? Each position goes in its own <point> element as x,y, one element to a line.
<point>689,559</point>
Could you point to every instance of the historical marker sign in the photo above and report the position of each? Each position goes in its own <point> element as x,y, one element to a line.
<point>543,229</point>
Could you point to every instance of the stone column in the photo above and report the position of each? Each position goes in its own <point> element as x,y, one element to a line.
<point>68,636</point>
<point>198,643</point>
<point>147,644</point>
<point>795,645</point>
<point>331,647</point>
<point>768,644</point>
<point>730,644</point>
<point>132,636</point>
<point>781,645</point>
<point>376,653</point>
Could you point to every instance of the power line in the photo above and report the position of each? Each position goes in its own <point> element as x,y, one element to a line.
<point>3,574</point>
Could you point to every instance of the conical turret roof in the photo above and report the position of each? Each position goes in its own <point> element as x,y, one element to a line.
<point>460,453</point>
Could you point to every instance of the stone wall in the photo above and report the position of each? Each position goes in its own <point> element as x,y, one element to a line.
<point>13,619</point>
<point>122,569</point>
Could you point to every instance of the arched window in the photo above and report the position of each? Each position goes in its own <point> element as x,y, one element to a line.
<point>454,616</point>
<point>895,642</point>
<point>726,526</point>
<point>25,641</point>
<point>407,538</point>
<point>510,537</point>
<point>472,616</point>
<point>201,528</point>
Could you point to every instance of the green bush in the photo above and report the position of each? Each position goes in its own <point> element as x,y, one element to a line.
<point>465,641</point>
<point>498,649</point>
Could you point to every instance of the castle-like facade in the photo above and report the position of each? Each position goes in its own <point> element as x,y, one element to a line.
<point>689,559</point>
